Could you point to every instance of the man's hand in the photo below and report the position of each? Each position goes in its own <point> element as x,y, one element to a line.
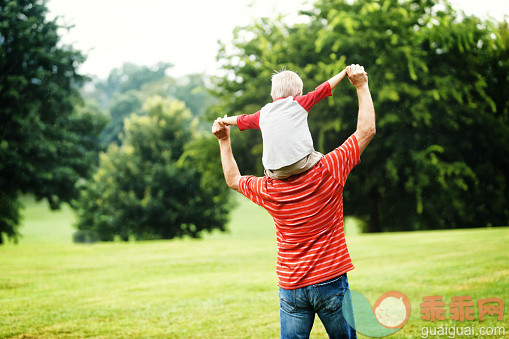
<point>221,130</point>
<point>357,76</point>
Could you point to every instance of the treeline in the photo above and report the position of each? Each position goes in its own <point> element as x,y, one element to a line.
<point>439,80</point>
<point>134,156</point>
<point>128,153</point>
<point>126,88</point>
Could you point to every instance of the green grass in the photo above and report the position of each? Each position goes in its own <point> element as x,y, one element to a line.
<point>223,286</point>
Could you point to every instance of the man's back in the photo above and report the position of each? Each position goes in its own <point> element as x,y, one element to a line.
<point>295,211</point>
<point>308,215</point>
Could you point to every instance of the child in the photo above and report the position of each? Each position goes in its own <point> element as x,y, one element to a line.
<point>287,143</point>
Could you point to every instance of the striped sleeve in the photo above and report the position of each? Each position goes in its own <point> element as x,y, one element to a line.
<point>251,187</point>
<point>341,161</point>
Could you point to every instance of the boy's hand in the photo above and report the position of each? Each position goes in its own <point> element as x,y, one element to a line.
<point>357,76</point>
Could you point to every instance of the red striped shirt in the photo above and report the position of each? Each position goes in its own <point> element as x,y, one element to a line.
<point>308,214</point>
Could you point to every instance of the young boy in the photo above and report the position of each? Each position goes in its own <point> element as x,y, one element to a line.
<point>287,143</point>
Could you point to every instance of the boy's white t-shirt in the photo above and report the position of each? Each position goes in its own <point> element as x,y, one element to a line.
<point>285,133</point>
<point>284,127</point>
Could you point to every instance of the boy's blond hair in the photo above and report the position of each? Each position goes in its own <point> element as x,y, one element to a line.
<point>285,83</point>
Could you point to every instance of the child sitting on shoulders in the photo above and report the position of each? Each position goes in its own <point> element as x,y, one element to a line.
<point>287,144</point>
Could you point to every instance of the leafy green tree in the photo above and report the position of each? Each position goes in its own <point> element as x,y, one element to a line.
<point>127,87</point>
<point>132,77</point>
<point>161,182</point>
<point>191,90</point>
<point>46,145</point>
<point>122,105</point>
<point>439,81</point>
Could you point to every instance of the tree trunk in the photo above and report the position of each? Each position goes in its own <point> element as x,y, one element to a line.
<point>374,220</point>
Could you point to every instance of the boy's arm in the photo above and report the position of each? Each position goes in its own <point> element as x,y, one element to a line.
<point>312,98</point>
<point>334,81</point>
<point>230,121</point>
<point>324,90</point>
<point>244,121</point>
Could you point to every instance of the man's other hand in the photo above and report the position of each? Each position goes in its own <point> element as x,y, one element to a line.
<point>357,76</point>
<point>220,129</point>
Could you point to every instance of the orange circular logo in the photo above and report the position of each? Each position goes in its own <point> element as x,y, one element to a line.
<point>392,309</point>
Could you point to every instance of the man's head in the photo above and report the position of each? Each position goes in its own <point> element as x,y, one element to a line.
<point>285,84</point>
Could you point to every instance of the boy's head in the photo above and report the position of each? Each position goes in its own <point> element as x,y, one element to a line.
<point>285,83</point>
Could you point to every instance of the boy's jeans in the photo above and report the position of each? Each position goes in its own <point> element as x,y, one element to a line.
<point>297,309</point>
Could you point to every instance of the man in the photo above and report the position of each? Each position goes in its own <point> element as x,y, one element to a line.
<point>312,258</point>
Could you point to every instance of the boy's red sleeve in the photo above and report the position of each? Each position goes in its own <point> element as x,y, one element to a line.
<point>249,121</point>
<point>312,98</point>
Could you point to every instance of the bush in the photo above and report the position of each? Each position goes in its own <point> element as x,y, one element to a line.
<point>159,183</point>
<point>85,237</point>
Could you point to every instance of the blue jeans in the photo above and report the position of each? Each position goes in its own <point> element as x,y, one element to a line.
<point>297,309</point>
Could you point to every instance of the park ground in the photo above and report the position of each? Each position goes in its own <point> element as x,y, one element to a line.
<point>224,285</point>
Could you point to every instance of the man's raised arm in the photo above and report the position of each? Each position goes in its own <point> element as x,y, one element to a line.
<point>230,168</point>
<point>366,119</point>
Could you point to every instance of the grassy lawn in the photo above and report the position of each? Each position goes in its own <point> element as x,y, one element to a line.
<point>222,286</point>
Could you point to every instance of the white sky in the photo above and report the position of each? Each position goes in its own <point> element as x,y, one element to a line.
<point>184,33</point>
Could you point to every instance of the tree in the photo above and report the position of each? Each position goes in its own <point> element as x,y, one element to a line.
<point>127,87</point>
<point>161,182</point>
<point>122,105</point>
<point>191,90</point>
<point>132,77</point>
<point>439,81</point>
<point>46,145</point>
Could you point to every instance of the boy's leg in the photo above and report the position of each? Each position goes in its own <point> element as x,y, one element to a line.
<point>301,166</point>
<point>296,314</point>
